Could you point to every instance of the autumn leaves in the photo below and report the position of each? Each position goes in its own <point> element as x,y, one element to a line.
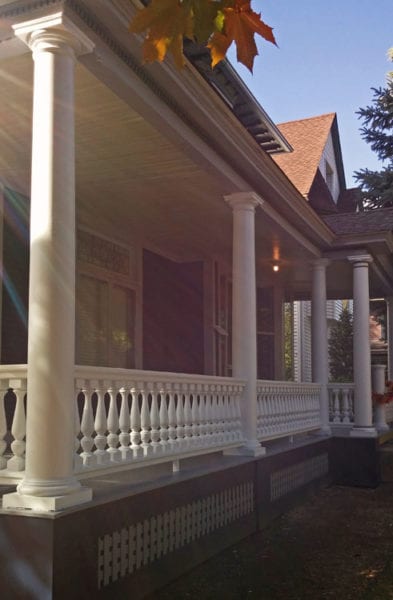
<point>216,23</point>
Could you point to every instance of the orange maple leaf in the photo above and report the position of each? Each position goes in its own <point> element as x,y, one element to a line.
<point>240,26</point>
<point>167,22</point>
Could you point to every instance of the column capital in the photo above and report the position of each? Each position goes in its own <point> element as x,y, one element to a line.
<point>360,259</point>
<point>54,33</point>
<point>243,200</point>
<point>320,263</point>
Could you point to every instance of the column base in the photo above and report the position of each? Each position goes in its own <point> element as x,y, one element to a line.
<point>363,432</point>
<point>246,451</point>
<point>46,503</point>
<point>325,431</point>
<point>383,427</point>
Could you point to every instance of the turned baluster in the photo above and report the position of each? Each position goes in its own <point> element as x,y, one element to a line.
<point>101,427</point>
<point>180,420</point>
<point>187,416</point>
<point>124,425</point>
<point>226,412</point>
<point>18,429</point>
<point>3,425</point>
<point>221,414</point>
<point>113,425</point>
<point>87,429</point>
<point>164,430</point>
<point>208,413</point>
<point>346,410</point>
<point>202,416</point>
<point>259,414</point>
<point>136,446</point>
<point>172,420</point>
<point>154,420</point>
<point>145,424</point>
<point>238,408</point>
<point>78,461</point>
<point>195,417</point>
<point>336,404</point>
<point>215,416</point>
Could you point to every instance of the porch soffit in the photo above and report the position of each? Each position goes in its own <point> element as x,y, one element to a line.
<point>131,180</point>
<point>213,134</point>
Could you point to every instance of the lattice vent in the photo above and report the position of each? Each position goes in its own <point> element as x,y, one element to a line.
<point>286,480</point>
<point>123,552</point>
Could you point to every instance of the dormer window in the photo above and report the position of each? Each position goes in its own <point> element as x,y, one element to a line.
<point>329,176</point>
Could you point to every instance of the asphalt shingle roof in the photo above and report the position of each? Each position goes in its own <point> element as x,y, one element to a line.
<point>308,138</point>
<point>370,221</point>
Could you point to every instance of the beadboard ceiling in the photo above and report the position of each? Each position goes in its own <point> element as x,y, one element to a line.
<point>129,177</point>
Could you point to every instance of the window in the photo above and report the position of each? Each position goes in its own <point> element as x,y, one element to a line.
<point>105,304</point>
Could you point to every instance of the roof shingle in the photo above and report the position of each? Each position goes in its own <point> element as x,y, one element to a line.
<point>370,221</point>
<point>308,138</point>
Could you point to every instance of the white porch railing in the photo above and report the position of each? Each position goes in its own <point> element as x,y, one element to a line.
<point>132,416</point>
<point>287,408</point>
<point>13,383</point>
<point>389,412</point>
<point>341,404</point>
<point>126,417</point>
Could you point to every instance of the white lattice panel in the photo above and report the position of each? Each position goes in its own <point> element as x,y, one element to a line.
<point>286,480</point>
<point>120,553</point>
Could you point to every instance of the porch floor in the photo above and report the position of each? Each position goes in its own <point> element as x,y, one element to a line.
<point>337,544</point>
<point>109,486</point>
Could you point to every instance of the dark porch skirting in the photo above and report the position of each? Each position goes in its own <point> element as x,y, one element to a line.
<point>141,536</point>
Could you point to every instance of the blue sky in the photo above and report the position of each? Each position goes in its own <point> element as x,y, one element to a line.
<point>331,52</point>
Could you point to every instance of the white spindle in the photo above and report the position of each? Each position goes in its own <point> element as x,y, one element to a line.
<point>336,404</point>
<point>3,426</point>
<point>154,421</point>
<point>180,420</point>
<point>346,414</point>
<point>172,420</point>
<point>100,426</point>
<point>113,425</point>
<point>195,417</point>
<point>78,461</point>
<point>136,446</point>
<point>18,429</point>
<point>124,425</point>
<point>145,424</point>
<point>164,432</point>
<point>187,416</point>
<point>87,429</point>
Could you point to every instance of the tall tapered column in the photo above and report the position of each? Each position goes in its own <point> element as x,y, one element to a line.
<point>389,308</point>
<point>363,421</point>
<point>49,483</point>
<point>319,333</point>
<point>244,326</point>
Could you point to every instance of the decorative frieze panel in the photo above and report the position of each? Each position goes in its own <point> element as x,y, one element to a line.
<point>291,478</point>
<point>102,253</point>
<point>123,552</point>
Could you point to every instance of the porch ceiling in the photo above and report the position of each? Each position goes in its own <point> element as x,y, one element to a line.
<point>131,180</point>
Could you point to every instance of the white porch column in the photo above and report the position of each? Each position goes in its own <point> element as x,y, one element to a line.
<point>1,256</point>
<point>319,335</point>
<point>378,383</point>
<point>363,425</point>
<point>244,322</point>
<point>49,483</point>
<point>389,310</point>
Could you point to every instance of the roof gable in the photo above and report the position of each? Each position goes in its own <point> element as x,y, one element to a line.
<point>308,137</point>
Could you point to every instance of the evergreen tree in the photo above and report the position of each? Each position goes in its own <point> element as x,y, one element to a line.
<point>377,130</point>
<point>341,348</point>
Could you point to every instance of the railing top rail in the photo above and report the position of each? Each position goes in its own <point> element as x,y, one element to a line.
<point>287,384</point>
<point>13,371</point>
<point>109,373</point>
<point>339,385</point>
